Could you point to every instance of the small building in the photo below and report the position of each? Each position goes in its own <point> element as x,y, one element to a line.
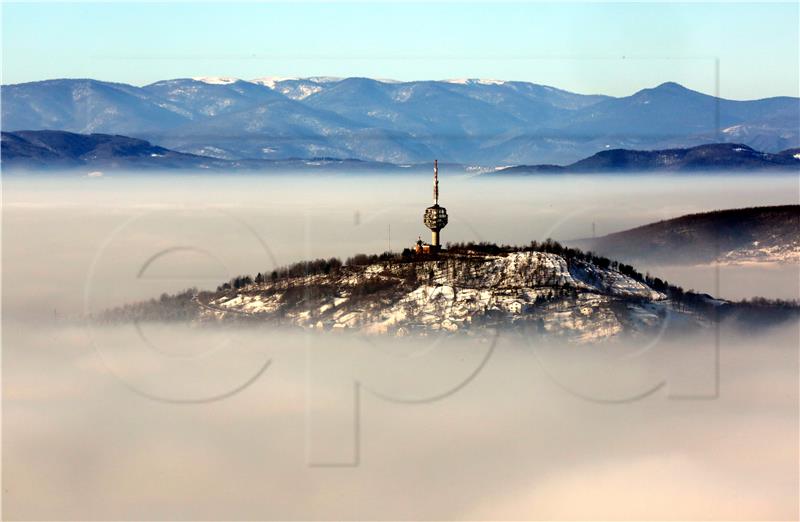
<point>422,248</point>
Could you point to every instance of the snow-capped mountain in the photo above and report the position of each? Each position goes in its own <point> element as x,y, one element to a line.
<point>201,98</point>
<point>479,121</point>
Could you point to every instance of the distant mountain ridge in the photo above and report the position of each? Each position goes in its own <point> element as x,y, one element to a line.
<point>744,235</point>
<point>57,149</point>
<point>28,150</point>
<point>713,156</point>
<point>485,122</point>
<point>48,150</point>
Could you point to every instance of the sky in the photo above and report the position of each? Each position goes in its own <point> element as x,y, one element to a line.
<point>738,50</point>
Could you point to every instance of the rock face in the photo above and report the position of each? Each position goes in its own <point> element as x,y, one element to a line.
<point>536,292</point>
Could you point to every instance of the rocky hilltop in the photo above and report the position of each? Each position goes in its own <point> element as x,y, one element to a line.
<point>541,290</point>
<point>544,289</point>
<point>453,293</point>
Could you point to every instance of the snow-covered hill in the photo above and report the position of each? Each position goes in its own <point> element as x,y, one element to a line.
<point>453,293</point>
<point>541,290</point>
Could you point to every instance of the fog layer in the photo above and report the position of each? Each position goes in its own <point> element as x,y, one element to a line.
<point>101,424</point>
<point>178,422</point>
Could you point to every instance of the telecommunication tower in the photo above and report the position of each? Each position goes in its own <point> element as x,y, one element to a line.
<point>435,217</point>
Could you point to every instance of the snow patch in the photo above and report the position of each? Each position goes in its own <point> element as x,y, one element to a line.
<point>475,81</point>
<point>216,80</point>
<point>271,81</point>
<point>304,91</point>
<point>402,95</point>
<point>324,79</point>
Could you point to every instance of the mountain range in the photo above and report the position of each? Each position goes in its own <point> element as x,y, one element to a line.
<point>485,122</point>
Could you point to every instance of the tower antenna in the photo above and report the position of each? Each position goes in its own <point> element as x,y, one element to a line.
<point>435,182</point>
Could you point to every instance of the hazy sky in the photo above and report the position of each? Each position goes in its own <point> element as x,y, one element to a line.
<point>596,47</point>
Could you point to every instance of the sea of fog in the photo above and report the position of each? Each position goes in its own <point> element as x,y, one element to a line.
<point>182,422</point>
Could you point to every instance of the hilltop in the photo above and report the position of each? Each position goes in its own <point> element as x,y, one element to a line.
<point>544,289</point>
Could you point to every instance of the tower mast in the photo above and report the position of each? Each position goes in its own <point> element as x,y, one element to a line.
<point>435,182</point>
